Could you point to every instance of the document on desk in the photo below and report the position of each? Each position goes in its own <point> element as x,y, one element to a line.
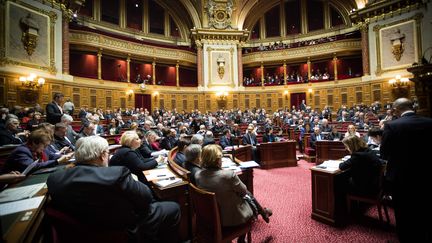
<point>19,206</point>
<point>18,193</point>
<point>30,167</point>
<point>168,182</point>
<point>158,174</point>
<point>331,165</point>
<point>249,164</point>
<point>160,152</point>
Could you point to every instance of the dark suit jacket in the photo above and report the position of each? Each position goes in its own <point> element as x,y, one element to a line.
<point>313,139</point>
<point>106,196</point>
<point>22,157</point>
<point>165,143</point>
<point>180,158</point>
<point>133,160</point>
<point>59,143</point>
<point>249,139</point>
<point>364,169</point>
<point>225,142</point>
<point>406,154</point>
<point>53,113</point>
<point>269,138</point>
<point>145,149</point>
<point>7,137</point>
<point>193,168</point>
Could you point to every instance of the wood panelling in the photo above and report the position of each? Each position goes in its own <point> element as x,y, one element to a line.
<point>111,95</point>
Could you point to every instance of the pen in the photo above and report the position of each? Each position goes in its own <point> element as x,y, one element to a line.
<point>160,175</point>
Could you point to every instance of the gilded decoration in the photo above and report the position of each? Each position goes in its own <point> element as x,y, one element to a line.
<point>400,40</point>
<point>301,52</point>
<point>219,14</point>
<point>30,41</point>
<point>109,43</point>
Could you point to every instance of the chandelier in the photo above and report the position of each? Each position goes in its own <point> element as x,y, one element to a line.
<point>69,8</point>
<point>32,81</point>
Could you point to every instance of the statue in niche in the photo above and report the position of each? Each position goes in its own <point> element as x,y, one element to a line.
<point>221,66</point>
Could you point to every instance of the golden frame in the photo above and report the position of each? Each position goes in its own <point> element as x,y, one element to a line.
<point>415,21</point>
<point>5,58</point>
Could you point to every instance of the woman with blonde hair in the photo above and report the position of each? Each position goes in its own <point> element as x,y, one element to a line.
<point>128,156</point>
<point>237,205</point>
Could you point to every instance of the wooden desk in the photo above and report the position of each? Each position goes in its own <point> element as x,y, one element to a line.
<point>15,230</point>
<point>329,150</point>
<point>328,199</point>
<point>277,154</point>
<point>243,153</point>
<point>178,193</point>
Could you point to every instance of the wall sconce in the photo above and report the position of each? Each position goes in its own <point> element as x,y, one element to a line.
<point>155,95</point>
<point>400,86</point>
<point>310,92</point>
<point>286,94</point>
<point>399,82</point>
<point>130,93</point>
<point>32,81</point>
<point>222,95</point>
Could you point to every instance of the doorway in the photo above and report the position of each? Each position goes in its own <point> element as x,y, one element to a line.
<point>143,101</point>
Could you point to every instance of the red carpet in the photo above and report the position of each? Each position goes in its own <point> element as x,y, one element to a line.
<point>287,191</point>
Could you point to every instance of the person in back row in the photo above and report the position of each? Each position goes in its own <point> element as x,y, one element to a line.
<point>110,198</point>
<point>237,205</point>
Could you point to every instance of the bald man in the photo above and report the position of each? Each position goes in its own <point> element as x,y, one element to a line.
<point>408,170</point>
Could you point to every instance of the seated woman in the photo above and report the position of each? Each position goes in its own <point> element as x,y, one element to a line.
<point>352,131</point>
<point>181,146</point>
<point>192,160</point>
<point>269,137</point>
<point>237,205</point>
<point>364,167</point>
<point>33,150</point>
<point>129,157</point>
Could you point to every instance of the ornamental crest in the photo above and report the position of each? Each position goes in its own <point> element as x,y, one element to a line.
<point>219,14</point>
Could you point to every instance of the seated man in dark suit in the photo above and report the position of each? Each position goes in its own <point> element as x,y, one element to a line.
<point>208,138</point>
<point>109,197</point>
<point>192,162</point>
<point>226,140</point>
<point>9,134</point>
<point>315,136</point>
<point>60,138</point>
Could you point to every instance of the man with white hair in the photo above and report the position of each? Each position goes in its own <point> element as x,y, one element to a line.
<point>108,197</point>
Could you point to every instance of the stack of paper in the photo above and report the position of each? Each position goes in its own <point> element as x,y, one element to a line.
<point>168,182</point>
<point>19,193</point>
<point>330,165</point>
<point>19,206</point>
<point>249,164</point>
<point>158,174</point>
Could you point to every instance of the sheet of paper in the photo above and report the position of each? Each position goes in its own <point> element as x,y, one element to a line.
<point>249,164</point>
<point>168,182</point>
<point>161,152</point>
<point>331,164</point>
<point>18,206</point>
<point>227,162</point>
<point>30,167</point>
<point>158,174</point>
<point>18,193</point>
